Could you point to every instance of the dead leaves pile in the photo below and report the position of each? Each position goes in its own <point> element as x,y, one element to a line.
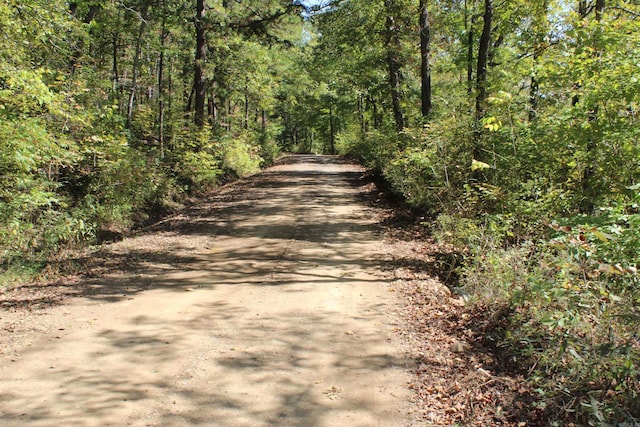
<point>456,380</point>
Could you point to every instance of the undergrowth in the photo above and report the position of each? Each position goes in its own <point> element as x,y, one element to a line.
<point>560,288</point>
<point>103,185</point>
<point>563,309</point>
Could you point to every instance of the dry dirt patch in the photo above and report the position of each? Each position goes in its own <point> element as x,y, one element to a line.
<point>265,305</point>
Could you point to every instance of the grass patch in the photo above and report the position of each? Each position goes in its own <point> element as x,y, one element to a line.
<point>21,271</point>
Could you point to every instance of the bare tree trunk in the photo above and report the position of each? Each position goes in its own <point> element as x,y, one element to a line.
<point>114,62</point>
<point>425,53</point>
<point>161,88</point>
<point>363,123</point>
<point>589,174</point>
<point>583,10</point>
<point>393,63</point>
<point>332,131</point>
<point>199,66</point>
<point>90,16</point>
<point>470,22</point>
<point>189,101</point>
<point>483,55</point>
<point>534,90</point>
<point>246,103</point>
<point>136,63</point>
<point>481,77</point>
<point>376,114</point>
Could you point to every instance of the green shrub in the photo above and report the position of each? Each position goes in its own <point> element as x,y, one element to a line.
<point>571,306</point>
<point>269,147</point>
<point>241,154</point>
<point>200,169</point>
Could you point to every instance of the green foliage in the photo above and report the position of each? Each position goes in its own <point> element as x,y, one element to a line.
<point>201,169</point>
<point>269,147</point>
<point>517,190</point>
<point>567,292</point>
<point>121,183</point>
<point>96,134</point>
<point>569,307</point>
<point>198,162</point>
<point>95,113</point>
<point>239,156</point>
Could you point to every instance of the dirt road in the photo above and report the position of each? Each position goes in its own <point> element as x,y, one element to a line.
<point>264,306</point>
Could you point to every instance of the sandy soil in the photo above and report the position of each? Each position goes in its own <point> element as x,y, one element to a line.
<point>264,306</point>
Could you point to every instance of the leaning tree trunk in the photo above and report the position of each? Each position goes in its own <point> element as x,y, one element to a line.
<point>332,131</point>
<point>246,104</point>
<point>583,9</point>
<point>89,17</point>
<point>161,87</point>
<point>199,67</point>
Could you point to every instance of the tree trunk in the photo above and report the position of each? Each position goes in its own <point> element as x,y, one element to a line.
<point>483,55</point>
<point>332,132</point>
<point>376,115</point>
<point>534,90</point>
<point>481,77</point>
<point>425,53</point>
<point>363,122</point>
<point>136,63</point>
<point>582,12</point>
<point>589,174</point>
<point>541,30</point>
<point>246,104</point>
<point>161,88</point>
<point>470,22</point>
<point>199,66</point>
<point>114,63</point>
<point>91,14</point>
<point>493,49</point>
<point>393,63</point>
<point>600,5</point>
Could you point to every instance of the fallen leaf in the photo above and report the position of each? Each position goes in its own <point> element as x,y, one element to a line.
<point>333,393</point>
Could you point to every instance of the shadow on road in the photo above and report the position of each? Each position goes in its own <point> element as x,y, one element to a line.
<point>237,354</point>
<point>244,233</point>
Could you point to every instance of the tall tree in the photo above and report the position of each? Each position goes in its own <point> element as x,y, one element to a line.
<point>143,15</point>
<point>392,40</point>
<point>470,23</point>
<point>483,55</point>
<point>199,78</point>
<point>539,30</point>
<point>589,173</point>
<point>425,54</point>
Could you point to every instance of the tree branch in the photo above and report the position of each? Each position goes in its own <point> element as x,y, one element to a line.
<point>625,10</point>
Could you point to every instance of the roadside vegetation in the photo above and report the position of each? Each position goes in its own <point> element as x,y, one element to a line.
<point>515,128</point>
<point>512,125</point>
<point>109,116</point>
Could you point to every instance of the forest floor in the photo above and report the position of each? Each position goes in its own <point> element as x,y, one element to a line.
<point>291,298</point>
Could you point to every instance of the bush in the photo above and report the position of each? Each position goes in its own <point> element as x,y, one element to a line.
<point>570,308</point>
<point>200,170</point>
<point>240,154</point>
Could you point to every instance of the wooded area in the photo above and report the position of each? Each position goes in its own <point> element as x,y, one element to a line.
<point>513,125</point>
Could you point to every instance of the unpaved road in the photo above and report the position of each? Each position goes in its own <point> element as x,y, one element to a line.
<point>264,306</point>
